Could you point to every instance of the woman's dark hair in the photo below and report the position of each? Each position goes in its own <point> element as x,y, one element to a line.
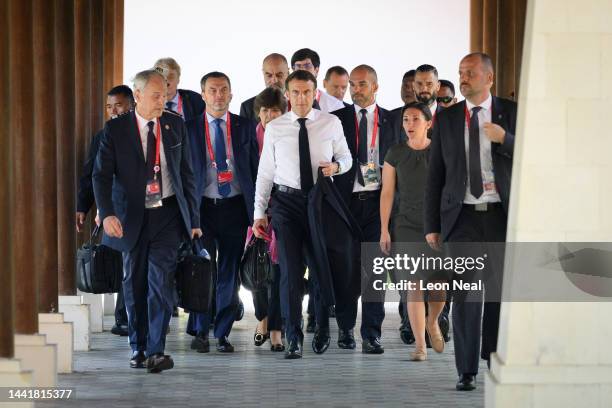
<point>271,97</point>
<point>419,106</point>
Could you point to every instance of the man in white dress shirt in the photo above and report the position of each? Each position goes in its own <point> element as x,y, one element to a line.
<point>308,60</point>
<point>295,146</point>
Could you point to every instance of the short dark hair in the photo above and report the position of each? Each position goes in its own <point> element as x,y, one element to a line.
<point>484,58</point>
<point>336,69</point>
<point>304,53</point>
<point>409,74</point>
<point>271,97</point>
<point>427,68</point>
<point>214,74</point>
<point>448,84</point>
<point>419,106</point>
<point>300,75</point>
<point>123,90</point>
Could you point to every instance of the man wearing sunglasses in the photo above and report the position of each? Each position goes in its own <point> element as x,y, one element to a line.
<point>446,94</point>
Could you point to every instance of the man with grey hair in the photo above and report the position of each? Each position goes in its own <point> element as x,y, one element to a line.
<point>275,71</point>
<point>186,103</point>
<point>144,187</point>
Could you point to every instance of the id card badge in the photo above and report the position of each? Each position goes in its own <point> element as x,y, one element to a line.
<point>225,176</point>
<point>153,198</point>
<point>369,173</point>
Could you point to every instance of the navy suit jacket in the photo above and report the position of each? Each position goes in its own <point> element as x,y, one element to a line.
<point>247,109</point>
<point>447,179</point>
<point>120,175</point>
<point>387,138</point>
<point>246,156</point>
<point>193,104</point>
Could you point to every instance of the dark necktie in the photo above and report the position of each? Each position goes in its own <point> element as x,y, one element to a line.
<point>306,179</point>
<point>474,155</point>
<point>169,105</point>
<point>221,157</point>
<point>151,153</point>
<point>362,152</point>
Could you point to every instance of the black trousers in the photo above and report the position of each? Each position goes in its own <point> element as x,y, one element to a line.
<point>267,302</point>
<point>468,315</point>
<point>290,223</point>
<point>120,313</point>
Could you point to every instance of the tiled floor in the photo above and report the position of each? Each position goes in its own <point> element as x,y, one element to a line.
<point>255,376</point>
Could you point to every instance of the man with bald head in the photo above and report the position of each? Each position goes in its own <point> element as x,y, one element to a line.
<point>466,200</point>
<point>275,71</point>
<point>369,134</point>
<point>145,192</point>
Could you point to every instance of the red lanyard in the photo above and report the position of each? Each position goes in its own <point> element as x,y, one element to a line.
<point>179,107</point>
<point>318,97</point>
<point>374,130</point>
<point>156,168</point>
<point>209,144</point>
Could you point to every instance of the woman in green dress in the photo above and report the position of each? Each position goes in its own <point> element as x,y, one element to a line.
<point>405,172</point>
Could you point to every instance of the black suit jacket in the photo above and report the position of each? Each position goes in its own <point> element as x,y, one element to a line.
<point>246,160</point>
<point>120,175</point>
<point>193,104</point>
<point>447,179</point>
<point>335,233</point>
<point>387,138</point>
<point>85,194</point>
<point>246,109</point>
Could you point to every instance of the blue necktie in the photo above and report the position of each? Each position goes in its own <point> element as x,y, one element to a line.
<point>221,157</point>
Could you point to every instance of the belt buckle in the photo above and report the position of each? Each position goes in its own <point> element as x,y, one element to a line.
<point>482,207</point>
<point>362,195</point>
<point>283,189</point>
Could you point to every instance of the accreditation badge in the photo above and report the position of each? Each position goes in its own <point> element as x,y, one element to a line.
<point>370,173</point>
<point>153,197</point>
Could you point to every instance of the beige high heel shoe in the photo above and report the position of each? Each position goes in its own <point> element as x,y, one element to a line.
<point>435,337</point>
<point>418,355</point>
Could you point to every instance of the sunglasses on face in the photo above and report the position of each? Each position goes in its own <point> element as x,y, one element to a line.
<point>444,99</point>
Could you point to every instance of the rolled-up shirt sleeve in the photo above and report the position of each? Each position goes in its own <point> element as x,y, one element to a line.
<point>265,175</point>
<point>342,154</point>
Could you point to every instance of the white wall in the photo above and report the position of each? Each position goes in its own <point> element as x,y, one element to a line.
<point>233,36</point>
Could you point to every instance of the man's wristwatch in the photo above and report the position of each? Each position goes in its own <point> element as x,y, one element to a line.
<point>338,170</point>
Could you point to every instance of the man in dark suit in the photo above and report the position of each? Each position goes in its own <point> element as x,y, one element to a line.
<point>275,70</point>
<point>145,191</point>
<point>119,100</point>
<point>225,158</point>
<point>369,134</point>
<point>188,104</point>
<point>466,198</point>
<point>407,94</point>
<point>336,82</point>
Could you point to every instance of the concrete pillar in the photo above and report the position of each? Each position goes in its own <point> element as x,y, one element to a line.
<point>13,375</point>
<point>58,332</point>
<point>557,354</point>
<point>108,300</point>
<point>38,356</point>
<point>96,310</point>
<point>78,313</point>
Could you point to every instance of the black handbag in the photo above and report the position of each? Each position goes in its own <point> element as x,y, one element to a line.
<point>99,268</point>
<point>194,278</point>
<point>256,265</point>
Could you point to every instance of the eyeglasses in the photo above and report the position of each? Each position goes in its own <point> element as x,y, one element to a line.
<point>444,99</point>
<point>305,67</point>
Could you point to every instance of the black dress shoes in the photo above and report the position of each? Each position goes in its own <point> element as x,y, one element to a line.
<point>311,324</point>
<point>444,327</point>
<point>277,347</point>
<point>224,346</point>
<point>239,311</point>
<point>467,382</point>
<point>200,343</point>
<point>372,346</point>
<point>320,341</point>
<point>346,339</point>
<point>159,362</point>
<point>120,329</point>
<point>294,350</point>
<point>138,359</point>
<point>406,332</point>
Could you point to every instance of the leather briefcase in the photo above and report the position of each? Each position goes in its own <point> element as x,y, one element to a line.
<point>256,265</point>
<point>194,278</point>
<point>99,268</point>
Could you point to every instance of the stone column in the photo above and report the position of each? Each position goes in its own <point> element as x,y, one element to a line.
<point>557,354</point>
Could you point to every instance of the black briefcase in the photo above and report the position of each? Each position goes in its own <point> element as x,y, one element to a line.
<point>194,278</point>
<point>256,265</point>
<point>99,268</point>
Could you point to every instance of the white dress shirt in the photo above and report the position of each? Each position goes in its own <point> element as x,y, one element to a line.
<point>211,189</point>
<point>280,158</point>
<point>433,108</point>
<point>143,126</point>
<point>328,103</point>
<point>375,156</point>
<point>490,194</point>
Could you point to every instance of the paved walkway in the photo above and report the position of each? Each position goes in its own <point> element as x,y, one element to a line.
<point>255,376</point>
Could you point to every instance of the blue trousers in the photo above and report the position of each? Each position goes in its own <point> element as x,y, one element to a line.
<point>148,283</point>
<point>224,225</point>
